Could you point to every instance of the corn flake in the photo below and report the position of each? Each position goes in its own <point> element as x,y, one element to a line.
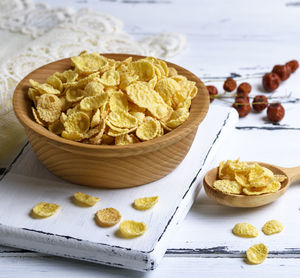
<point>126,139</point>
<point>149,129</point>
<point>108,217</point>
<point>257,253</point>
<point>118,102</point>
<point>110,78</point>
<point>44,88</point>
<point>49,107</point>
<point>122,119</point>
<point>56,127</point>
<point>89,63</point>
<point>280,178</point>
<point>85,200</point>
<point>37,117</point>
<point>131,228</point>
<point>272,227</point>
<point>74,94</point>
<point>245,230</point>
<point>96,118</point>
<point>93,102</point>
<point>228,186</point>
<point>43,210</point>
<point>145,203</point>
<point>145,97</point>
<point>77,122</point>
<point>93,88</point>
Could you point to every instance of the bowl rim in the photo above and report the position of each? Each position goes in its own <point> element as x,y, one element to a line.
<point>167,139</point>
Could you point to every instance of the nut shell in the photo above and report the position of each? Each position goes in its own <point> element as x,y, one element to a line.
<point>242,106</point>
<point>244,89</point>
<point>293,65</point>
<point>271,81</point>
<point>275,112</point>
<point>282,71</point>
<point>260,102</point>
<point>213,91</point>
<point>229,84</point>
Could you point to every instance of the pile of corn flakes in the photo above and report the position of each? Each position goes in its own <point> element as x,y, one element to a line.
<point>103,101</point>
<point>237,177</point>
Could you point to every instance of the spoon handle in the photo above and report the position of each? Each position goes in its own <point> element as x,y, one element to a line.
<point>293,173</point>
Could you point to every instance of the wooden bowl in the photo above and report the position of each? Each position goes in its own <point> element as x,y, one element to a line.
<point>104,165</point>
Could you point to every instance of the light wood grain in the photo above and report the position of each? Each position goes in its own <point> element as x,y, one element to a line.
<point>108,166</point>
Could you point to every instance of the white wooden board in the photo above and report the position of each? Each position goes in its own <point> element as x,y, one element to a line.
<point>73,232</point>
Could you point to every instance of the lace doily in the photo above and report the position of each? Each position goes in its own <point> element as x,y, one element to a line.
<point>61,33</point>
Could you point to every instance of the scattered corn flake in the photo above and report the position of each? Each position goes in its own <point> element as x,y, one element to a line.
<point>131,228</point>
<point>145,203</point>
<point>108,217</point>
<point>43,210</point>
<point>272,227</point>
<point>85,200</point>
<point>245,230</point>
<point>257,253</point>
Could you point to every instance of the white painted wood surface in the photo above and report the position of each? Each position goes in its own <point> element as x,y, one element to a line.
<point>242,37</point>
<point>73,233</point>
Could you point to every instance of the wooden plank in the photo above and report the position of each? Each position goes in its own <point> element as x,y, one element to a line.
<point>52,267</point>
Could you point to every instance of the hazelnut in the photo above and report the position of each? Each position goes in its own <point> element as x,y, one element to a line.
<point>271,81</point>
<point>244,89</point>
<point>275,112</point>
<point>293,65</point>
<point>242,106</point>
<point>213,91</point>
<point>229,84</point>
<point>259,103</point>
<point>282,71</point>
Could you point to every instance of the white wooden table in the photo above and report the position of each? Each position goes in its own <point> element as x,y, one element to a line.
<point>238,38</point>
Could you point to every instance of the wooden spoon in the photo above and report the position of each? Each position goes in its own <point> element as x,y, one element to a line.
<point>245,201</point>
